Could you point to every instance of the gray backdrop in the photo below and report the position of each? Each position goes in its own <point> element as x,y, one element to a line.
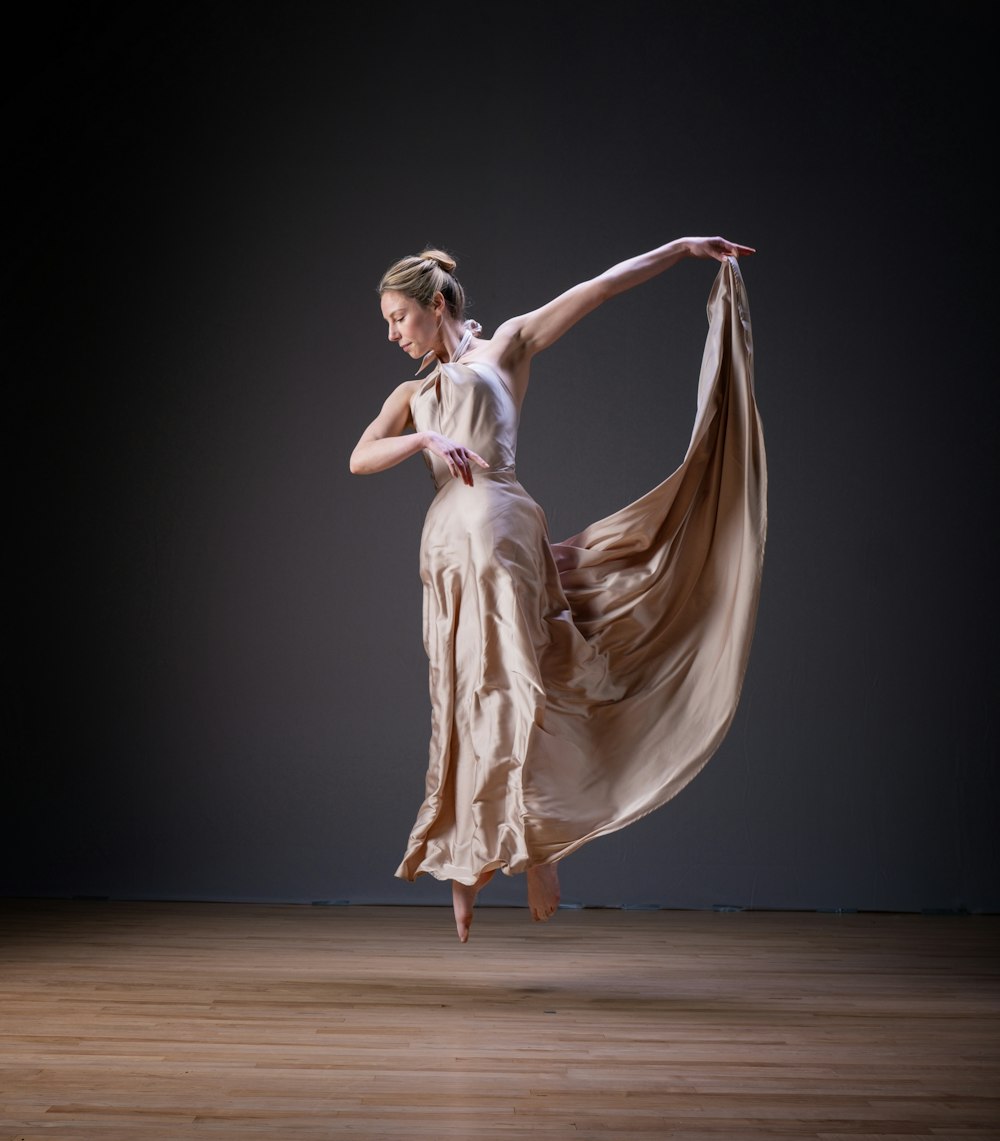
<point>217,683</point>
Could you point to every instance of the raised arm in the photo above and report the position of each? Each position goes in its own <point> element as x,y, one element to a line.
<point>521,337</point>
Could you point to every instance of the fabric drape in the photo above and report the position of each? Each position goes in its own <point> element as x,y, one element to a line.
<point>578,686</point>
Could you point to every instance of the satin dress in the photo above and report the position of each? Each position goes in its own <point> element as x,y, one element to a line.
<point>577,686</point>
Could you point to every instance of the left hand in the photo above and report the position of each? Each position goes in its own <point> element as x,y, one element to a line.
<point>718,248</point>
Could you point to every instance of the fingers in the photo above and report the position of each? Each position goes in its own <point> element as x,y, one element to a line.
<point>734,252</point>
<point>732,249</point>
<point>722,249</point>
<point>459,461</point>
<point>460,466</point>
<point>456,467</point>
<point>458,458</point>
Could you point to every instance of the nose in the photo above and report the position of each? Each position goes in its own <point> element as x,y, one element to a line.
<point>393,334</point>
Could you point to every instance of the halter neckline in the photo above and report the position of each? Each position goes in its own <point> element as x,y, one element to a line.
<point>471,329</point>
<point>463,344</point>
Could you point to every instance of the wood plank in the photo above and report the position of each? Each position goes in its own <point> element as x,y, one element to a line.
<point>170,1020</point>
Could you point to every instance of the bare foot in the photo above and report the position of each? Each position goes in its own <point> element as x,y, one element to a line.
<point>463,899</point>
<point>543,891</point>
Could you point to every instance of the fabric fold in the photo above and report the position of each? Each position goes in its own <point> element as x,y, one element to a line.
<point>577,687</point>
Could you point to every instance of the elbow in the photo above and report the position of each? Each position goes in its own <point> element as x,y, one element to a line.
<point>358,466</point>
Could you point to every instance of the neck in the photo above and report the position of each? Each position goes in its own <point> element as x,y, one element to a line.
<point>452,333</point>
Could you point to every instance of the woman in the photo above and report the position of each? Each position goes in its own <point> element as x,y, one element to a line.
<point>577,687</point>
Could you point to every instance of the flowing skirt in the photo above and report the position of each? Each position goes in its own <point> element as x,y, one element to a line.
<point>578,686</point>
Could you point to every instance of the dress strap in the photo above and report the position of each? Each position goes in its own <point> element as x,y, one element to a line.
<point>472,328</point>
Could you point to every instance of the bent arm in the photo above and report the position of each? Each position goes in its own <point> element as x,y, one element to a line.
<point>383,443</point>
<point>530,333</point>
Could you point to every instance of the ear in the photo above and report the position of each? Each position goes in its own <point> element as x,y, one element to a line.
<point>438,304</point>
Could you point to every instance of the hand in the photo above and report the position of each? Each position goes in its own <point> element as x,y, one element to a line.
<point>458,458</point>
<point>718,248</point>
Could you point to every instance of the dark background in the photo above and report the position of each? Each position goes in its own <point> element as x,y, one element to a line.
<point>216,684</point>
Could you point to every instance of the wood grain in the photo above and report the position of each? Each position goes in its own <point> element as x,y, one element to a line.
<point>155,1021</point>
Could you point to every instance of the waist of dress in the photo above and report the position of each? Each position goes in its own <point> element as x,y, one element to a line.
<point>479,475</point>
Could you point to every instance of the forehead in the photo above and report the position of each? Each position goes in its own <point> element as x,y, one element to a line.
<point>392,301</point>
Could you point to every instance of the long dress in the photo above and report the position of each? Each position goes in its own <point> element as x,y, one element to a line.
<point>577,686</point>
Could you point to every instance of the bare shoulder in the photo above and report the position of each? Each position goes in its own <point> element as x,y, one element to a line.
<point>402,393</point>
<point>394,415</point>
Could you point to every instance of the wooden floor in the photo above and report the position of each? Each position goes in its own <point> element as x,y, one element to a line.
<point>145,1021</point>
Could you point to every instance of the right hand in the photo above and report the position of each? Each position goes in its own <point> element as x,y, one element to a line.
<point>458,458</point>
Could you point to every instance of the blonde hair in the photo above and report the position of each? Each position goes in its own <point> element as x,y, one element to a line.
<point>420,277</point>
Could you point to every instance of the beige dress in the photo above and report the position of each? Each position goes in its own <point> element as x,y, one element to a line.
<point>576,687</point>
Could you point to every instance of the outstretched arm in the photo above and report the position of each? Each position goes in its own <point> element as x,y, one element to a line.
<point>522,337</point>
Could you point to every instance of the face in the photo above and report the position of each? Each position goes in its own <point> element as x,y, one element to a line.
<point>412,326</point>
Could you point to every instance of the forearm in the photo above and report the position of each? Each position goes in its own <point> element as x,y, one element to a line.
<point>634,271</point>
<point>371,456</point>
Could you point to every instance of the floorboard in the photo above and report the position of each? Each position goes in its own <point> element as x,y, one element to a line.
<point>160,1021</point>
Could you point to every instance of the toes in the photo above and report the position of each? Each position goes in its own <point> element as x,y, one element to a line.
<point>464,901</point>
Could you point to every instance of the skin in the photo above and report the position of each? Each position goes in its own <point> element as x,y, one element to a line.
<point>389,439</point>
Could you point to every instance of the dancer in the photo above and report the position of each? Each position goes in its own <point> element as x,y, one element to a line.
<point>575,686</point>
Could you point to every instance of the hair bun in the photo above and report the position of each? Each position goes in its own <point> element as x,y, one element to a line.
<point>421,276</point>
<point>445,261</point>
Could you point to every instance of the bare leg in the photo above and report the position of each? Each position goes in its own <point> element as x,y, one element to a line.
<point>463,899</point>
<point>543,891</point>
